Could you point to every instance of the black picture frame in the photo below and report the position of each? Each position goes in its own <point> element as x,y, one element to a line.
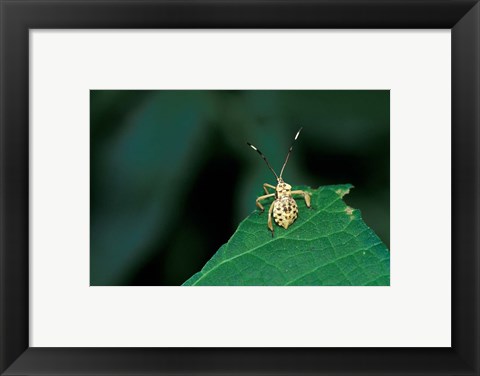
<point>18,16</point>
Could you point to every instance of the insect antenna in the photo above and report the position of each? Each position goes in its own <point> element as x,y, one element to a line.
<point>289,151</point>
<point>264,158</point>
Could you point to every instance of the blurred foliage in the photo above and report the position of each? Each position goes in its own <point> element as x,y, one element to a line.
<point>172,177</point>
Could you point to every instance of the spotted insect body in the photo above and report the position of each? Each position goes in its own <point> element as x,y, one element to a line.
<point>284,209</point>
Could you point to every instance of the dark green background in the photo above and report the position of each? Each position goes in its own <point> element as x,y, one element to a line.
<point>172,176</point>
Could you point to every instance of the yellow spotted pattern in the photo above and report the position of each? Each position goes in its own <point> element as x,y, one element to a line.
<point>285,209</point>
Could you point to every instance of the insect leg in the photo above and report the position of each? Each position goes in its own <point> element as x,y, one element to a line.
<point>257,202</point>
<point>266,185</point>
<point>270,224</point>
<point>306,196</point>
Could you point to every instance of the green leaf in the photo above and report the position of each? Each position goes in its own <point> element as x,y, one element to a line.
<point>328,245</point>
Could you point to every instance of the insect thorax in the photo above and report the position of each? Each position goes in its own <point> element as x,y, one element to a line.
<point>283,189</point>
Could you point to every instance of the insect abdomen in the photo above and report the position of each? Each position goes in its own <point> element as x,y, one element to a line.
<point>285,211</point>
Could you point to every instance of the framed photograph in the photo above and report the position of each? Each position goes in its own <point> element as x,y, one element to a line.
<point>231,187</point>
<point>181,144</point>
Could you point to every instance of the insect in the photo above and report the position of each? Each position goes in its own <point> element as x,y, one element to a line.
<point>284,208</point>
